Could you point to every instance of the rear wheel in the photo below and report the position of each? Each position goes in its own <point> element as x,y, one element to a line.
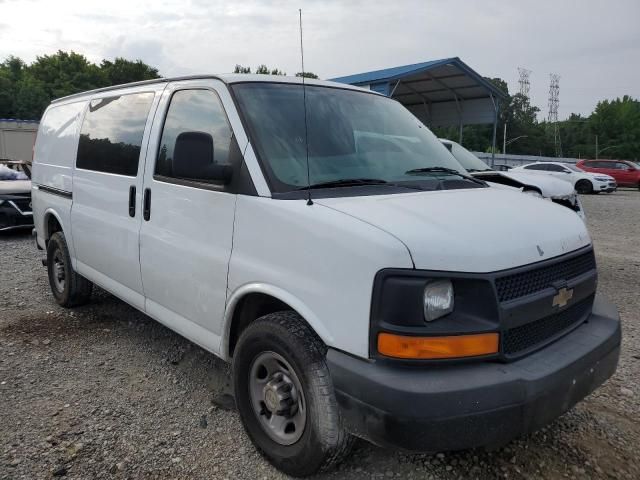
<point>584,187</point>
<point>68,288</point>
<point>285,396</point>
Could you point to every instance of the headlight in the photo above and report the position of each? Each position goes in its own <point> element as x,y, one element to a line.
<point>534,193</point>
<point>438,299</point>
<point>602,179</point>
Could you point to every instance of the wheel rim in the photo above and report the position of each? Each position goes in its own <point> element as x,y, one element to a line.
<point>59,273</point>
<point>277,398</point>
<point>582,187</point>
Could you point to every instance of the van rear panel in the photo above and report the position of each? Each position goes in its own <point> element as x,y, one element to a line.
<point>53,161</point>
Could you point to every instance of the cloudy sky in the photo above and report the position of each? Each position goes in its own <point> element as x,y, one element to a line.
<point>594,45</point>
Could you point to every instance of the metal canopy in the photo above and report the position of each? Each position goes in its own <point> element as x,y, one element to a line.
<point>441,93</point>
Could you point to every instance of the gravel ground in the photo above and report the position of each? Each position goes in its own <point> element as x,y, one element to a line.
<point>103,391</point>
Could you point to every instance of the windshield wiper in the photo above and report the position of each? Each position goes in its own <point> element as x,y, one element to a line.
<point>450,171</point>
<point>345,182</point>
<point>356,182</point>
<point>475,170</point>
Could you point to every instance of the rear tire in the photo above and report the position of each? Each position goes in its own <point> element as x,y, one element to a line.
<point>584,187</point>
<point>323,441</point>
<point>69,288</point>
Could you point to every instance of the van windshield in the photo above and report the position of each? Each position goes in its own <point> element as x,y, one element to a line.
<point>354,138</point>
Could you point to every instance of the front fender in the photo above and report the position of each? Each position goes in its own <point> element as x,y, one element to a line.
<point>267,289</point>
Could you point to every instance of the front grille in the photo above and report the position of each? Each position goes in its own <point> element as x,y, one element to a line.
<point>525,337</point>
<point>525,283</point>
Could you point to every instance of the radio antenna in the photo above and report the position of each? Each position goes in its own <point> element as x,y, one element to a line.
<point>304,101</point>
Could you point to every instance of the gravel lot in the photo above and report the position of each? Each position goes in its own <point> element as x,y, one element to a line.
<point>102,391</point>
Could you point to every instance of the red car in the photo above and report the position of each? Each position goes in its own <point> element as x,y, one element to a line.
<point>626,173</point>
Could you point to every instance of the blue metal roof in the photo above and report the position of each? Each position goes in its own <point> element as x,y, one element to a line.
<point>390,73</point>
<point>395,73</point>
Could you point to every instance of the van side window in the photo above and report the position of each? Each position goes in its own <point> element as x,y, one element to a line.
<point>196,137</point>
<point>111,134</point>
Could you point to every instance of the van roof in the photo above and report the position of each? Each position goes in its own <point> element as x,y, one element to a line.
<point>228,78</point>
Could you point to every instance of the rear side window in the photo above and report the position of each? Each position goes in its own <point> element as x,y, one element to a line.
<point>555,168</point>
<point>111,134</point>
<point>536,166</point>
<point>196,137</point>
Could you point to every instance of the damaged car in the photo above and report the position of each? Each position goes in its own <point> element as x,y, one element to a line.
<point>557,191</point>
<point>15,195</point>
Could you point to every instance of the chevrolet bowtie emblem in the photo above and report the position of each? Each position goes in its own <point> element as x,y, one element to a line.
<point>563,297</point>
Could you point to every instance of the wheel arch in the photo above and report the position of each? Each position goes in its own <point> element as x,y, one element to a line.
<point>249,302</point>
<point>52,223</point>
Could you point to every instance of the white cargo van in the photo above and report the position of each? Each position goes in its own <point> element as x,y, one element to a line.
<point>358,288</point>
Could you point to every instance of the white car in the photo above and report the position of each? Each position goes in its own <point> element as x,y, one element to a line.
<point>361,290</point>
<point>583,182</point>
<point>557,191</point>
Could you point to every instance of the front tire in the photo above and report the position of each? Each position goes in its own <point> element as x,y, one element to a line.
<point>285,397</point>
<point>68,288</point>
<point>584,187</point>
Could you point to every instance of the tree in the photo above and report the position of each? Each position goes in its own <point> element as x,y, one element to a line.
<point>264,70</point>
<point>66,73</point>
<point>241,69</point>
<point>26,90</point>
<point>306,75</point>
<point>124,71</point>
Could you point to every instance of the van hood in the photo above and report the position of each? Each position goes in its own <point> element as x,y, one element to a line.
<point>476,230</point>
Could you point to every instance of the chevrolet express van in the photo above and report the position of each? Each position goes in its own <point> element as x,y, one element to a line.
<point>359,289</point>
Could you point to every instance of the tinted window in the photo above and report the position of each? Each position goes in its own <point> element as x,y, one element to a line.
<point>536,166</point>
<point>196,118</point>
<point>622,166</point>
<point>555,168</point>
<point>111,134</point>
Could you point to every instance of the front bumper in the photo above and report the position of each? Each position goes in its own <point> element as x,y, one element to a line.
<point>608,187</point>
<point>453,407</point>
<point>14,214</point>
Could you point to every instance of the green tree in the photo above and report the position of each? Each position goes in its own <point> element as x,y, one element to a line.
<point>125,71</point>
<point>66,73</point>
<point>241,69</point>
<point>264,70</point>
<point>306,75</point>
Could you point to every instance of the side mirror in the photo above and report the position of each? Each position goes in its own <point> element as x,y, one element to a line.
<point>193,159</point>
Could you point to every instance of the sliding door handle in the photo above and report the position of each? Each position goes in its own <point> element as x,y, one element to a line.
<point>146,204</point>
<point>132,201</point>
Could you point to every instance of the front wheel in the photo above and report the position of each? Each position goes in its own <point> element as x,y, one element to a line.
<point>285,397</point>
<point>68,287</point>
<point>584,187</point>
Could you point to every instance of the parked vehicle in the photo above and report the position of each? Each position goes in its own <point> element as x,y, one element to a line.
<point>502,168</point>
<point>583,182</point>
<point>558,191</point>
<point>358,290</point>
<point>15,196</point>
<point>626,173</point>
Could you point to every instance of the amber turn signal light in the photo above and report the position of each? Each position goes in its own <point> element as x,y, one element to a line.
<point>425,348</point>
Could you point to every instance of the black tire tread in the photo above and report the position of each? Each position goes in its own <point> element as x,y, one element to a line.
<point>79,287</point>
<point>338,442</point>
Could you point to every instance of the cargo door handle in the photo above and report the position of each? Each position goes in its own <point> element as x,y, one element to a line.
<point>132,201</point>
<point>146,207</point>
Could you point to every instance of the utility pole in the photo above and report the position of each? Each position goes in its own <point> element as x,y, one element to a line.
<point>504,139</point>
<point>552,118</point>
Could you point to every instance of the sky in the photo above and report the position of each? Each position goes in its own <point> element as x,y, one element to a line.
<point>594,45</point>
